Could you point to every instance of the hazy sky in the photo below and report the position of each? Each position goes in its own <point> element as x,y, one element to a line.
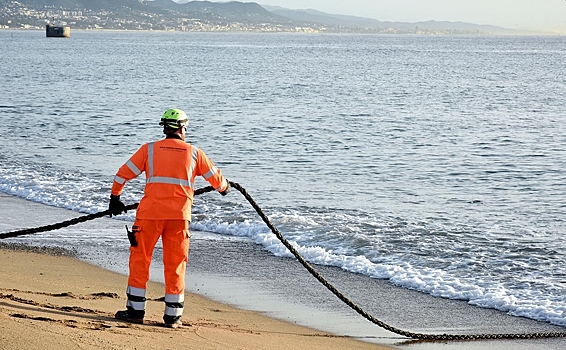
<point>515,14</point>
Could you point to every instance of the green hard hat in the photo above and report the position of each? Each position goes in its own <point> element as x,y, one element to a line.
<point>174,118</point>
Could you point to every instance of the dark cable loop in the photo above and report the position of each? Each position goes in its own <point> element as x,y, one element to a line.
<point>312,270</point>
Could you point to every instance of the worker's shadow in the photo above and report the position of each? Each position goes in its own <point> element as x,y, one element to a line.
<point>72,316</point>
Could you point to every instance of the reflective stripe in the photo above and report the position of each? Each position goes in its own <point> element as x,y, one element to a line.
<point>136,305</point>
<point>150,159</point>
<point>193,163</point>
<point>210,173</point>
<point>133,167</point>
<point>168,180</point>
<point>138,292</point>
<point>173,311</point>
<point>174,298</point>
<point>119,180</point>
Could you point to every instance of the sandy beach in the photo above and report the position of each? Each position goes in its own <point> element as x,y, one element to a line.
<point>50,299</point>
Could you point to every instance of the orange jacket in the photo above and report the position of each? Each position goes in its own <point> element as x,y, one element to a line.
<point>170,167</point>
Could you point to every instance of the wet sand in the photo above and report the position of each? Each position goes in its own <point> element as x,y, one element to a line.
<point>51,301</point>
<point>289,308</point>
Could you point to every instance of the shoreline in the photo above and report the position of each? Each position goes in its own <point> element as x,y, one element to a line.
<point>278,291</point>
<point>102,30</point>
<point>67,303</point>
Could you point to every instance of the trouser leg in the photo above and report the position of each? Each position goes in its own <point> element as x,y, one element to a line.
<point>175,240</point>
<point>147,234</point>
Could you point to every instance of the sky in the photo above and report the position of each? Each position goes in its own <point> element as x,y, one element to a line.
<point>547,15</point>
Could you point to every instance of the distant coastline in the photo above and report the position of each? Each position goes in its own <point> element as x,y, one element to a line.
<point>519,34</point>
<point>204,16</point>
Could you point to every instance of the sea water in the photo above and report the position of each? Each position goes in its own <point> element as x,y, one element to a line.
<point>434,162</point>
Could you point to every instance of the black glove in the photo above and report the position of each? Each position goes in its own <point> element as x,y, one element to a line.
<point>116,206</point>
<point>227,189</point>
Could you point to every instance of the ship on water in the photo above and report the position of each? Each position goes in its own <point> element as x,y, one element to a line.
<point>53,31</point>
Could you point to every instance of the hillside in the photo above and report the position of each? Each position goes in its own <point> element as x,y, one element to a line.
<point>318,17</point>
<point>208,16</point>
<point>143,15</point>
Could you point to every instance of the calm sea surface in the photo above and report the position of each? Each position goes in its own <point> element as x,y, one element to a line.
<point>435,162</point>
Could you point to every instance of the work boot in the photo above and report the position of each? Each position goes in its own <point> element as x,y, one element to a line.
<point>128,316</point>
<point>175,324</point>
<point>172,321</point>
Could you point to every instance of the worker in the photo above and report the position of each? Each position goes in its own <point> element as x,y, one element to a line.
<point>170,167</point>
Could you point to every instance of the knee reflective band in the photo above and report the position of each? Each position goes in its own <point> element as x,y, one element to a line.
<point>174,304</point>
<point>136,301</point>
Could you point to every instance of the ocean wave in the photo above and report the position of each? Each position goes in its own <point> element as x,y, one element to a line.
<point>388,248</point>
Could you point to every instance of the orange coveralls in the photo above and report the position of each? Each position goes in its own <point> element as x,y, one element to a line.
<point>170,167</point>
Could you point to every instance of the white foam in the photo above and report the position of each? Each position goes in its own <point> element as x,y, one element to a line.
<point>325,238</point>
<point>436,282</point>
